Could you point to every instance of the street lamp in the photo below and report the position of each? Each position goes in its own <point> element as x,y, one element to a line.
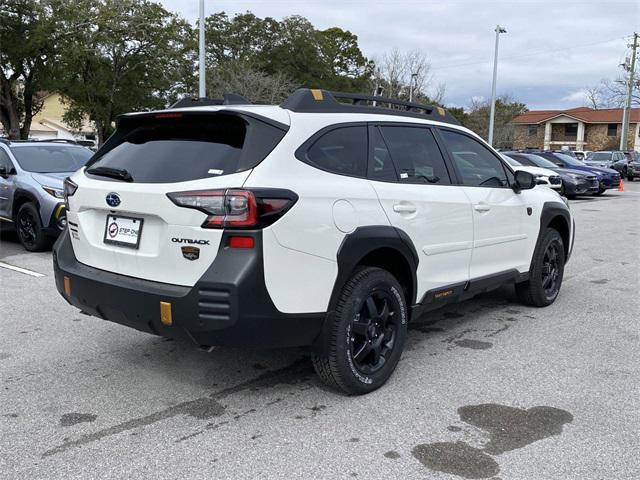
<point>414,78</point>
<point>492,115</point>
<point>201,82</point>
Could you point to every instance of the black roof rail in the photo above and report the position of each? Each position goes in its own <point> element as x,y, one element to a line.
<point>227,99</point>
<point>322,101</point>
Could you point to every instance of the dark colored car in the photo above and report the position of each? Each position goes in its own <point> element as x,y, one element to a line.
<point>607,177</point>
<point>571,153</point>
<point>615,160</point>
<point>574,182</point>
<point>633,165</point>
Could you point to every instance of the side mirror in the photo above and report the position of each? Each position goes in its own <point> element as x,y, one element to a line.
<point>523,181</point>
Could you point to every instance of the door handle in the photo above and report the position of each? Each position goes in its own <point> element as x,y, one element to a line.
<point>482,207</point>
<point>404,208</point>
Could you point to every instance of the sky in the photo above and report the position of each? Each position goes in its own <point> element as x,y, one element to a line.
<point>552,49</point>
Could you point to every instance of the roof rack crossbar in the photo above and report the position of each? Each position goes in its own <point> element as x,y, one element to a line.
<point>306,100</point>
<point>359,99</point>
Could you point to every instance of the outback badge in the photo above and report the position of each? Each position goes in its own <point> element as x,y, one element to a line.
<point>190,253</point>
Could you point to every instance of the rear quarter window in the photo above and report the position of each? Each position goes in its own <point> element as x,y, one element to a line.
<point>341,150</point>
<point>183,147</point>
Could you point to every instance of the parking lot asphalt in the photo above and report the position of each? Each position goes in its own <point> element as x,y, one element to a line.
<point>485,389</point>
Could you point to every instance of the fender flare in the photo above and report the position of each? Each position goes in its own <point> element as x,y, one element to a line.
<point>362,241</point>
<point>21,192</point>
<point>354,248</point>
<point>550,212</point>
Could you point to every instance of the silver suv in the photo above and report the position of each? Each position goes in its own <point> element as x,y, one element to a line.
<point>31,194</point>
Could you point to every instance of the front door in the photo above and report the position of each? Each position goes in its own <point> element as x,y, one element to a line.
<point>500,241</point>
<point>6,185</point>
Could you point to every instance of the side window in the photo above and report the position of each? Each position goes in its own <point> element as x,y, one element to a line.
<point>5,161</point>
<point>416,155</point>
<point>381,166</point>
<point>478,166</point>
<point>342,151</point>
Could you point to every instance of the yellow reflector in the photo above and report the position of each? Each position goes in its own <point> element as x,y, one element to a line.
<point>317,94</point>
<point>441,111</point>
<point>59,210</point>
<point>67,286</point>
<point>165,313</point>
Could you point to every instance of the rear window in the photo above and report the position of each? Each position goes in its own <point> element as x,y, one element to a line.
<point>179,148</point>
<point>51,158</point>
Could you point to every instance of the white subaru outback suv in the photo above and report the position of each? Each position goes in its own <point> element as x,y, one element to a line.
<point>327,222</point>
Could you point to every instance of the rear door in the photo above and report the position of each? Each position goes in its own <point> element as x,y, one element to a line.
<point>410,176</point>
<point>121,218</point>
<point>500,241</point>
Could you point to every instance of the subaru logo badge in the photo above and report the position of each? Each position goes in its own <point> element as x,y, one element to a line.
<point>113,199</point>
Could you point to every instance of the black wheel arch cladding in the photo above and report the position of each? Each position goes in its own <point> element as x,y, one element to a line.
<point>556,215</point>
<point>381,246</point>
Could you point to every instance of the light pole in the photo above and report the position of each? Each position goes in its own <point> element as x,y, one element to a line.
<point>201,83</point>
<point>627,104</point>
<point>492,115</point>
<point>414,77</point>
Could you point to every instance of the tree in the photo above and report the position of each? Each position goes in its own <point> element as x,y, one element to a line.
<point>291,50</point>
<point>243,78</point>
<point>30,32</point>
<point>477,119</point>
<point>612,93</point>
<point>396,72</point>
<point>134,56</point>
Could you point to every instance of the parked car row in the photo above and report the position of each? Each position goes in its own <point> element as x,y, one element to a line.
<point>627,164</point>
<point>577,177</point>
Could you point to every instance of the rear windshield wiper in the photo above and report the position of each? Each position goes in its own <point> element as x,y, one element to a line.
<point>117,173</point>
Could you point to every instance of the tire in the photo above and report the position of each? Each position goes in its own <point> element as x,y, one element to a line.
<point>600,192</point>
<point>349,362</point>
<point>630,178</point>
<point>29,229</point>
<point>547,266</point>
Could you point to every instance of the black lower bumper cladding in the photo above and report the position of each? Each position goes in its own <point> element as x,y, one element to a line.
<point>228,306</point>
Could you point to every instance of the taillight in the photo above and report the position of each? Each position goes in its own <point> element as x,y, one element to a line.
<point>69,187</point>
<point>236,208</point>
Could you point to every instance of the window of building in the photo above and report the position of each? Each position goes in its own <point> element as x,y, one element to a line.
<point>570,129</point>
<point>612,129</point>
<point>533,130</point>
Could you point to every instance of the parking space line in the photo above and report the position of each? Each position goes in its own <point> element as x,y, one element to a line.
<point>21,270</point>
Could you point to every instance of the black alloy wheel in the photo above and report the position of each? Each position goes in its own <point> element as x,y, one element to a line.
<point>365,333</point>
<point>29,228</point>
<point>550,269</point>
<point>373,331</point>
<point>546,272</point>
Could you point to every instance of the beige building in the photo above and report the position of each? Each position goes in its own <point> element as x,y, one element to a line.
<point>579,128</point>
<point>48,123</point>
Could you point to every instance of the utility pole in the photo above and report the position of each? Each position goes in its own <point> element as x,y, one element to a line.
<point>201,85</point>
<point>627,105</point>
<point>414,78</point>
<point>492,115</point>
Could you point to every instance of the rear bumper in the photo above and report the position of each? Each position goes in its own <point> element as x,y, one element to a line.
<point>228,306</point>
